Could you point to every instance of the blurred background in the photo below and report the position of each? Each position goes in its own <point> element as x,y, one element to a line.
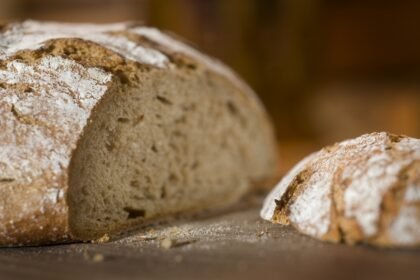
<point>325,69</point>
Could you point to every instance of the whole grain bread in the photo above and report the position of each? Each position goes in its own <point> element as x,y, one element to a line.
<point>107,127</point>
<point>363,190</point>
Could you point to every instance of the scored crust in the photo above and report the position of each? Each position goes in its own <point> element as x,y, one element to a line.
<point>363,190</point>
<point>56,81</point>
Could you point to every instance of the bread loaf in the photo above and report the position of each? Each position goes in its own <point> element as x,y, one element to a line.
<point>107,127</point>
<point>364,190</point>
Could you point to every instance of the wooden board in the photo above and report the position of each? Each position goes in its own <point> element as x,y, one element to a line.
<point>234,245</point>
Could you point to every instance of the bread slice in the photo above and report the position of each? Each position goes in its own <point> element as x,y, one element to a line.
<point>107,127</point>
<point>363,190</point>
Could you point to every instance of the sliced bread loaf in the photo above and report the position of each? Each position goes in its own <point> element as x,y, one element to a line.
<point>107,127</point>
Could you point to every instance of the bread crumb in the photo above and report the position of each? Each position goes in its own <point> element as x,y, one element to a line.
<point>261,233</point>
<point>105,238</point>
<point>178,258</point>
<point>146,237</point>
<point>98,258</point>
<point>150,230</point>
<point>166,243</point>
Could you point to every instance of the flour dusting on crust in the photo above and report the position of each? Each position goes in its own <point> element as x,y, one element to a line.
<point>46,116</point>
<point>32,35</point>
<point>310,211</point>
<point>270,201</point>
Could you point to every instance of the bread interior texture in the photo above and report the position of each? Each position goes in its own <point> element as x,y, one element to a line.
<point>169,142</point>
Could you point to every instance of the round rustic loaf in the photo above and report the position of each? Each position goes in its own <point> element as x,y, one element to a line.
<point>107,127</point>
<point>364,190</point>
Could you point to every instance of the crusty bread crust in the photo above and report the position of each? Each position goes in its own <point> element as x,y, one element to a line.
<point>52,76</point>
<point>363,190</point>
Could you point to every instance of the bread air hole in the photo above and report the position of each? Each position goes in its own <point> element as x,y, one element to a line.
<point>123,120</point>
<point>163,100</point>
<point>134,213</point>
<point>135,184</point>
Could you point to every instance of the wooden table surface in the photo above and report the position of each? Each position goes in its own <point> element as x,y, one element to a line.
<point>235,244</point>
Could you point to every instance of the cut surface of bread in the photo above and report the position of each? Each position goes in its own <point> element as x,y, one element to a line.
<point>108,127</point>
<point>363,190</point>
<point>158,149</point>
